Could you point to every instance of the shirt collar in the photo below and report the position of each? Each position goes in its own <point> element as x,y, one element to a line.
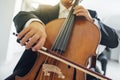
<point>62,8</point>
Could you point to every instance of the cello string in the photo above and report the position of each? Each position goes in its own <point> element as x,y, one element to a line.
<point>69,27</point>
<point>61,36</point>
<point>59,46</point>
<point>67,33</point>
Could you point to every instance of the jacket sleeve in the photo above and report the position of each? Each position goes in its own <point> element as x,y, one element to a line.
<point>109,37</point>
<point>42,13</point>
<point>21,18</point>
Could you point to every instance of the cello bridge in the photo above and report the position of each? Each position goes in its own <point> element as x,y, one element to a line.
<point>47,68</point>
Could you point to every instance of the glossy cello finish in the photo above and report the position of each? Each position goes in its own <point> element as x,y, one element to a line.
<point>76,39</point>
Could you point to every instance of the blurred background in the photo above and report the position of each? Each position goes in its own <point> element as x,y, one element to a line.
<point>11,51</point>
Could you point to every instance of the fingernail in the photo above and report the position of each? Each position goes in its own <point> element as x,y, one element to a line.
<point>33,49</point>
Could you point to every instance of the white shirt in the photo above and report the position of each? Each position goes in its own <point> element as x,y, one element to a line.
<point>63,12</point>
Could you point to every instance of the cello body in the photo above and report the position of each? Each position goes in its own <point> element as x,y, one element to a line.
<point>82,44</point>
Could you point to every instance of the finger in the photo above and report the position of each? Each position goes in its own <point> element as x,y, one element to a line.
<point>79,11</point>
<point>23,32</point>
<point>32,41</point>
<point>78,7</point>
<point>39,44</point>
<point>81,14</point>
<point>26,38</point>
<point>86,16</point>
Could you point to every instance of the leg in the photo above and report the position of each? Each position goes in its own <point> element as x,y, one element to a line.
<point>24,65</point>
<point>103,59</point>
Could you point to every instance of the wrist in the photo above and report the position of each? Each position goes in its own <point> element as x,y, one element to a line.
<point>33,20</point>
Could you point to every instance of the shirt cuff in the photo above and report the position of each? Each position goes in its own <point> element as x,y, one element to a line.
<point>31,20</point>
<point>96,23</point>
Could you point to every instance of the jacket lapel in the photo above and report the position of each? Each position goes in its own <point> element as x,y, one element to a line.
<point>55,11</point>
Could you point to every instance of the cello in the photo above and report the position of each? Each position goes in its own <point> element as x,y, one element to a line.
<point>76,39</point>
